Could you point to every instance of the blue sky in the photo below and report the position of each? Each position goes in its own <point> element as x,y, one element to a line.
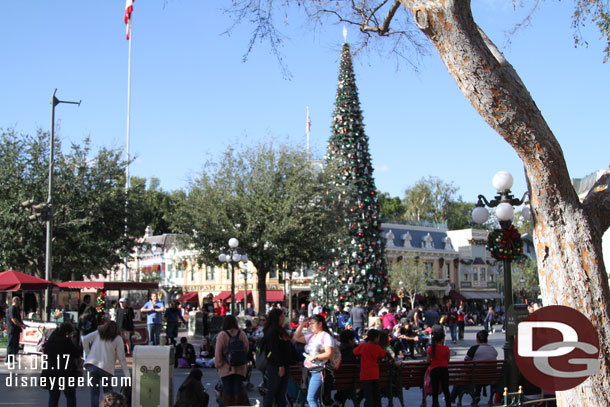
<point>192,95</point>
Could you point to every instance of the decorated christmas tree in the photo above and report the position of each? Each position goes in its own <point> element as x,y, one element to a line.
<point>358,272</point>
<point>100,305</point>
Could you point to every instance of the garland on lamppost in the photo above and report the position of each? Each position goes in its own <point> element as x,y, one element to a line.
<point>505,244</point>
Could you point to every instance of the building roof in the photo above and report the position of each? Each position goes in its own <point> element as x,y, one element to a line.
<point>417,234</point>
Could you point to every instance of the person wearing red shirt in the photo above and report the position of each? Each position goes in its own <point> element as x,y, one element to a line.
<point>438,357</point>
<point>224,308</point>
<point>370,352</point>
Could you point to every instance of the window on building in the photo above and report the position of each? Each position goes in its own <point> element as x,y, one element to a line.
<point>447,271</point>
<point>475,275</point>
<point>192,274</point>
<point>209,273</point>
<point>466,276</point>
<point>428,266</point>
<point>483,274</point>
<point>273,273</point>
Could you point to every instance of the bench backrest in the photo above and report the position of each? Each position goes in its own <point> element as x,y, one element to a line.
<point>460,372</point>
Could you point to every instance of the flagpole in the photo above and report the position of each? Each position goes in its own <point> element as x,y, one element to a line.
<point>307,130</point>
<point>125,273</point>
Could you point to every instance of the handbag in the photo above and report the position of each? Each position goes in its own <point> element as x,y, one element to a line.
<point>261,355</point>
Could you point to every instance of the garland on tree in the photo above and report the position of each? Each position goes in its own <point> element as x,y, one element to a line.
<point>505,244</point>
<point>357,273</point>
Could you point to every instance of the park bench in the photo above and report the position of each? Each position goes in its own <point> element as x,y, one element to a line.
<point>393,378</point>
<point>467,374</point>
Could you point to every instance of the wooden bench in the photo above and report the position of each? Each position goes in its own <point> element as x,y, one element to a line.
<point>467,374</point>
<point>393,378</point>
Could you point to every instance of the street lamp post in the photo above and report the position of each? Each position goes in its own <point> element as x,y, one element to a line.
<point>232,257</point>
<point>246,275</point>
<point>503,202</point>
<point>49,205</point>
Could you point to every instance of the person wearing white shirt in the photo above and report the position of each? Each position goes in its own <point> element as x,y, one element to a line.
<point>102,349</point>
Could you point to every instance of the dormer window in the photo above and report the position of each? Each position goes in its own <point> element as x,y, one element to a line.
<point>428,242</point>
<point>407,240</point>
<point>390,238</point>
<point>448,245</point>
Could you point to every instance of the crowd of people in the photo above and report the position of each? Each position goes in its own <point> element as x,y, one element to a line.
<point>317,337</point>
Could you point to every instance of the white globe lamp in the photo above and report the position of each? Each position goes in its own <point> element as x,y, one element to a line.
<point>233,243</point>
<point>222,257</point>
<point>502,181</point>
<point>480,215</point>
<point>505,212</point>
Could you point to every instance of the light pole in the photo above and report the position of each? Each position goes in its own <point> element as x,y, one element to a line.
<point>232,257</point>
<point>504,244</point>
<point>49,205</point>
<point>246,275</point>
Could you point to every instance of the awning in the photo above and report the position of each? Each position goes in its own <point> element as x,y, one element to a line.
<point>239,296</point>
<point>480,295</point>
<point>109,285</point>
<point>189,297</point>
<point>275,296</point>
<point>222,296</point>
<point>12,280</point>
<point>455,295</point>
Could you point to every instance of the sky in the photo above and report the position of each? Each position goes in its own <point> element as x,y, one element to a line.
<point>192,95</point>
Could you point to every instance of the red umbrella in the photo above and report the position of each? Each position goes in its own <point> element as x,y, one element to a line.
<point>12,280</point>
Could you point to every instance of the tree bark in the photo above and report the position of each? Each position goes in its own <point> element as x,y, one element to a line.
<point>567,234</point>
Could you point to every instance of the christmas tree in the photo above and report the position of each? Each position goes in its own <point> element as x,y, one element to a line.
<point>358,272</point>
<point>100,305</point>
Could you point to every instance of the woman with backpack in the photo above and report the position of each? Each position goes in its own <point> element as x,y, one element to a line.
<point>318,349</point>
<point>231,360</point>
<point>277,346</point>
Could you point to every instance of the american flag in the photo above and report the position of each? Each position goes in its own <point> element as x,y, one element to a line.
<point>308,125</point>
<point>128,11</point>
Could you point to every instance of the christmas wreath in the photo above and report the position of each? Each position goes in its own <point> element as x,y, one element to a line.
<point>505,244</point>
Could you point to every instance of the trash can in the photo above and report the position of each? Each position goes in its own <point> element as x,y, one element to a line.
<point>153,376</point>
<point>196,324</point>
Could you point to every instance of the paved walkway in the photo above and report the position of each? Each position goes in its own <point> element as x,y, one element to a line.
<point>27,396</point>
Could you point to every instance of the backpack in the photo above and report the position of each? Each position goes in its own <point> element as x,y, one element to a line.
<point>335,360</point>
<point>236,355</point>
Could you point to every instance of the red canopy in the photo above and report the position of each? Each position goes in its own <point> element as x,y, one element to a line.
<point>189,297</point>
<point>222,296</point>
<point>275,296</point>
<point>239,296</point>
<point>109,285</point>
<point>454,295</point>
<point>12,280</point>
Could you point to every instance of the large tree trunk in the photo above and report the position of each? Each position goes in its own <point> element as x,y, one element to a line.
<point>567,233</point>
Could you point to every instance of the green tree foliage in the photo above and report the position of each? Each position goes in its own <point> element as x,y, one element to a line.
<point>88,200</point>
<point>428,200</point>
<point>392,208</point>
<point>409,275</point>
<point>357,271</point>
<point>459,214</point>
<point>154,206</point>
<point>273,200</point>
